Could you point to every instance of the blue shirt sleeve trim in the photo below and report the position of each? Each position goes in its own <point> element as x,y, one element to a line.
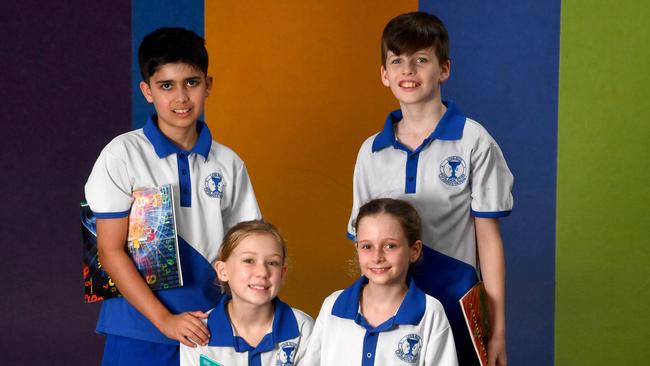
<point>111,215</point>
<point>490,215</point>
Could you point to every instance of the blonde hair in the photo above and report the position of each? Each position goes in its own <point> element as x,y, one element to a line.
<point>241,231</point>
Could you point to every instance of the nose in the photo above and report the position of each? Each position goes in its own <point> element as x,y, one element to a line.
<point>378,255</point>
<point>182,95</point>
<point>408,68</point>
<point>262,270</point>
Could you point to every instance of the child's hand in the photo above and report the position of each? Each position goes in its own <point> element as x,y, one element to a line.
<point>497,351</point>
<point>186,328</point>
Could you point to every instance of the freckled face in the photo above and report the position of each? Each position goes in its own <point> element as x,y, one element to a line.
<point>255,269</point>
<point>383,250</point>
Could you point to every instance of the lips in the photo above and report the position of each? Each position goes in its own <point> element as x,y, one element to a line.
<point>259,287</point>
<point>378,270</point>
<point>408,84</point>
<point>182,111</point>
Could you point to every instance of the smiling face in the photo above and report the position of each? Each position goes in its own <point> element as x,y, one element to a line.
<point>254,270</point>
<point>178,92</point>
<point>383,250</point>
<point>415,78</point>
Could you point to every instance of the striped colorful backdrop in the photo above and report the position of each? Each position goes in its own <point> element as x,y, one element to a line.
<point>562,85</point>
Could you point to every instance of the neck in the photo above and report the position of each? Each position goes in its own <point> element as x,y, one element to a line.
<point>184,138</point>
<point>250,321</point>
<point>422,116</point>
<point>418,122</point>
<point>388,293</point>
<point>380,302</point>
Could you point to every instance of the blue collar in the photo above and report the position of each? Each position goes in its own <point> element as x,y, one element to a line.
<point>285,327</point>
<point>165,147</point>
<point>450,127</point>
<point>410,311</point>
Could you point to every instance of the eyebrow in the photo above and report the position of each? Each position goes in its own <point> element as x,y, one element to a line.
<point>384,239</point>
<point>172,81</point>
<point>255,253</point>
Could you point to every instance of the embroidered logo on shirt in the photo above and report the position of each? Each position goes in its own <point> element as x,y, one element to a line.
<point>286,353</point>
<point>214,185</point>
<point>453,171</point>
<point>408,348</point>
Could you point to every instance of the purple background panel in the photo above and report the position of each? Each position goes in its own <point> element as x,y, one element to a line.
<point>65,88</point>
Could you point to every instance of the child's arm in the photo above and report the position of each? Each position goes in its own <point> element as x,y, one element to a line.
<point>184,327</point>
<point>492,264</point>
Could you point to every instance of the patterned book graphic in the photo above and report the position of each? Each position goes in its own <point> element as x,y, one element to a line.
<point>152,245</point>
<point>207,361</point>
<point>97,285</point>
<point>477,316</point>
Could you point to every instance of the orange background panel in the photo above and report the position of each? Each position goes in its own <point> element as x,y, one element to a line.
<point>296,91</point>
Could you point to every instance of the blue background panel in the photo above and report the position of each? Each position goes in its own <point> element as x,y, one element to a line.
<point>147,17</point>
<point>504,74</point>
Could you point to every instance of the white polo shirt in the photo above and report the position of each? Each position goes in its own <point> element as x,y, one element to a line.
<point>458,172</point>
<point>418,334</point>
<point>285,345</point>
<point>212,192</point>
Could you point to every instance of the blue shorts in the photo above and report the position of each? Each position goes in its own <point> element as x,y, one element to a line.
<point>124,351</point>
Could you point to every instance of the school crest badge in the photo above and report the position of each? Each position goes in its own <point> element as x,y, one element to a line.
<point>214,185</point>
<point>408,348</point>
<point>286,354</point>
<point>453,171</point>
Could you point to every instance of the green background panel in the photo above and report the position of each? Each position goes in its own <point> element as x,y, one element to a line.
<point>603,276</point>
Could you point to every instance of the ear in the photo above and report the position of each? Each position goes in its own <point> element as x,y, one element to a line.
<point>384,78</point>
<point>415,251</point>
<point>222,273</point>
<point>208,84</point>
<point>146,91</point>
<point>445,71</point>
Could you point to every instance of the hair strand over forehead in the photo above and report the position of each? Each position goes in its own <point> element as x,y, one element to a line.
<point>411,32</point>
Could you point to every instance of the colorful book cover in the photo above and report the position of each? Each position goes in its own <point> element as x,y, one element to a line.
<point>477,316</point>
<point>97,285</point>
<point>207,361</point>
<point>152,245</point>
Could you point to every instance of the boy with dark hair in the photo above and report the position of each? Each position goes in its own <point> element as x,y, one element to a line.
<point>212,192</point>
<point>449,168</point>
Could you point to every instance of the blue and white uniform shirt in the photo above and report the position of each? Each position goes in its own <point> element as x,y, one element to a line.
<point>458,172</point>
<point>212,192</point>
<point>418,334</point>
<point>285,345</point>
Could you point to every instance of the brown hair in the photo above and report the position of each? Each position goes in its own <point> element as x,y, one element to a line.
<point>402,211</point>
<point>411,32</point>
<point>241,231</point>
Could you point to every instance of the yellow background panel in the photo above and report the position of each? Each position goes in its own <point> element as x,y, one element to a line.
<point>296,91</point>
